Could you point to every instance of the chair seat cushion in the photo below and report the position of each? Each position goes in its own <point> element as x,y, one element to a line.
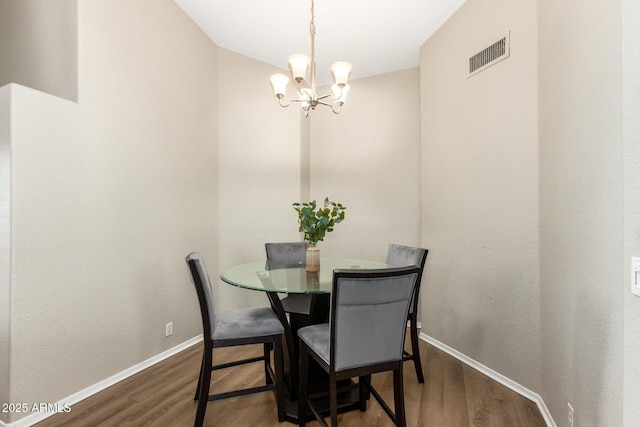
<point>317,338</point>
<point>247,323</point>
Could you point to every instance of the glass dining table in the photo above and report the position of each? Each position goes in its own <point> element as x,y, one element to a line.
<point>286,278</point>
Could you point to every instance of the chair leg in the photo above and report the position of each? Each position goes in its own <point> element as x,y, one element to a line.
<point>363,393</point>
<point>267,361</point>
<point>278,357</point>
<point>367,392</point>
<point>205,383</point>
<point>333,400</point>
<point>415,347</point>
<point>398,394</point>
<point>303,365</point>
<point>199,378</point>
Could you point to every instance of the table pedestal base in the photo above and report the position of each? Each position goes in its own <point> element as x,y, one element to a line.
<point>347,401</point>
<point>318,381</point>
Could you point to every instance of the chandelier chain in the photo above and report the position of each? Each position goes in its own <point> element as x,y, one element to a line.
<point>312,25</point>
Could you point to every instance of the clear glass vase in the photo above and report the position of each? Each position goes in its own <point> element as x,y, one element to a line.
<point>313,258</point>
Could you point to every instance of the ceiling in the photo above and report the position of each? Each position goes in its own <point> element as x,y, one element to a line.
<point>376,36</point>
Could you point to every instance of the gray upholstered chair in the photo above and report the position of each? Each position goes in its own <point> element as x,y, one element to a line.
<point>286,255</point>
<point>365,335</point>
<point>398,256</point>
<point>257,325</point>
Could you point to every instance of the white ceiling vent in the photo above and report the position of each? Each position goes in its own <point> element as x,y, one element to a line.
<point>489,56</point>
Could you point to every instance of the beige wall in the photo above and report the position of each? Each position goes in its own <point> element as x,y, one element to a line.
<point>582,277</point>
<point>5,239</point>
<point>368,158</point>
<point>108,196</point>
<point>177,145</point>
<point>480,190</point>
<point>631,168</point>
<point>38,45</point>
<point>260,150</point>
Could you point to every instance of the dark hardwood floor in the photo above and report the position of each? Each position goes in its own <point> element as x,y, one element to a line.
<point>453,395</point>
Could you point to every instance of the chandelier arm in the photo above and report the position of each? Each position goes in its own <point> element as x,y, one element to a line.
<point>325,96</point>
<point>332,107</point>
<point>283,105</point>
<point>296,100</point>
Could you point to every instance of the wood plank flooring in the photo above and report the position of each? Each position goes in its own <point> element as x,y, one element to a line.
<point>453,395</point>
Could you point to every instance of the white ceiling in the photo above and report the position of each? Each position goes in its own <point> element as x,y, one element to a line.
<point>376,36</point>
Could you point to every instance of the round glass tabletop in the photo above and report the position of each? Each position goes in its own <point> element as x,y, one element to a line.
<point>261,276</point>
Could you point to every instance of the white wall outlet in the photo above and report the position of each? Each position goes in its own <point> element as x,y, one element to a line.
<point>570,415</point>
<point>635,276</point>
<point>168,329</point>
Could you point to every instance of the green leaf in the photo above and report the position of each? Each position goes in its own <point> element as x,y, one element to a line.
<point>315,222</point>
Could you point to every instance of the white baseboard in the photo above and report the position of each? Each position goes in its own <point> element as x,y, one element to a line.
<point>521,390</point>
<point>91,390</point>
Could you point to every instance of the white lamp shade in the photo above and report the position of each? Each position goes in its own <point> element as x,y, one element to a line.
<point>341,71</point>
<point>279,83</point>
<point>340,93</point>
<point>299,64</point>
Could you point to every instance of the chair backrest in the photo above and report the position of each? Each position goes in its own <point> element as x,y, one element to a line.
<point>286,255</point>
<point>205,295</point>
<point>400,256</point>
<point>369,315</point>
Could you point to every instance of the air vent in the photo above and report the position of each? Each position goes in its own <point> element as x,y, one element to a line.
<point>489,56</point>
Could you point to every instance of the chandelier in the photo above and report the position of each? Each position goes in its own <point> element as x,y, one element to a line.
<point>307,95</point>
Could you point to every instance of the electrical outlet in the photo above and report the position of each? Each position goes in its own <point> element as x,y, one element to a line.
<point>168,329</point>
<point>570,415</point>
<point>635,276</point>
